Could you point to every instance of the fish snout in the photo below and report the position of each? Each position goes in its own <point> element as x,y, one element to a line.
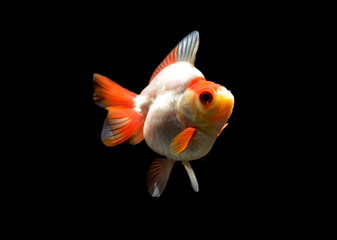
<point>225,101</point>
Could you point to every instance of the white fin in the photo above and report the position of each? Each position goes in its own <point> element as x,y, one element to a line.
<point>191,175</point>
<point>157,176</point>
<point>188,47</point>
<point>185,51</point>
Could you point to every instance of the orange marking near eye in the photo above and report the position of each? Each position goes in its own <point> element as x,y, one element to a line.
<point>200,85</point>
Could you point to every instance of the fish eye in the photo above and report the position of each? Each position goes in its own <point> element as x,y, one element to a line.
<point>205,97</point>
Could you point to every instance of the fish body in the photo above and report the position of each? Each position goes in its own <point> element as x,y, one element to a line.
<point>179,114</point>
<point>162,121</point>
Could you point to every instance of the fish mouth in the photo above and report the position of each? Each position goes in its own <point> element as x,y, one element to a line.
<point>226,101</point>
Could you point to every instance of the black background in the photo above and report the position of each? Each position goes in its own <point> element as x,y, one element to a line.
<point>249,172</point>
<point>237,56</point>
<point>238,53</point>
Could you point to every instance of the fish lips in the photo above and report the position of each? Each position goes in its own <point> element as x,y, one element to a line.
<point>225,101</point>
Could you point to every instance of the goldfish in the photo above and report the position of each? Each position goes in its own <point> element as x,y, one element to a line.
<point>180,114</point>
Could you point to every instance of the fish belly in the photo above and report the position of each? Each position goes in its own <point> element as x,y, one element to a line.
<point>162,125</point>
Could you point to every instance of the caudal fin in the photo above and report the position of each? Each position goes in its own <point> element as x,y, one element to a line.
<point>123,121</point>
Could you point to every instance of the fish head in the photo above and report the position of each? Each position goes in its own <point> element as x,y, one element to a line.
<point>206,105</point>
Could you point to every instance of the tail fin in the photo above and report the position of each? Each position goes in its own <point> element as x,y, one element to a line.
<point>123,121</point>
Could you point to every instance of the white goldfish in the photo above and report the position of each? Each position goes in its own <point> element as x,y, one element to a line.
<point>179,114</point>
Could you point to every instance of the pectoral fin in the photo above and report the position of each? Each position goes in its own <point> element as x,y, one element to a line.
<point>222,129</point>
<point>182,140</point>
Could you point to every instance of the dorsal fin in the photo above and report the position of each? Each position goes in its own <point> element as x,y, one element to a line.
<point>185,51</point>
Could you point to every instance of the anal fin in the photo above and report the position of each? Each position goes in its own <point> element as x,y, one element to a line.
<point>158,175</point>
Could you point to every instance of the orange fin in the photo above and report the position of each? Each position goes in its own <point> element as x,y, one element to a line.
<point>222,129</point>
<point>185,51</point>
<point>123,121</point>
<point>182,140</point>
<point>109,94</point>
<point>122,124</point>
